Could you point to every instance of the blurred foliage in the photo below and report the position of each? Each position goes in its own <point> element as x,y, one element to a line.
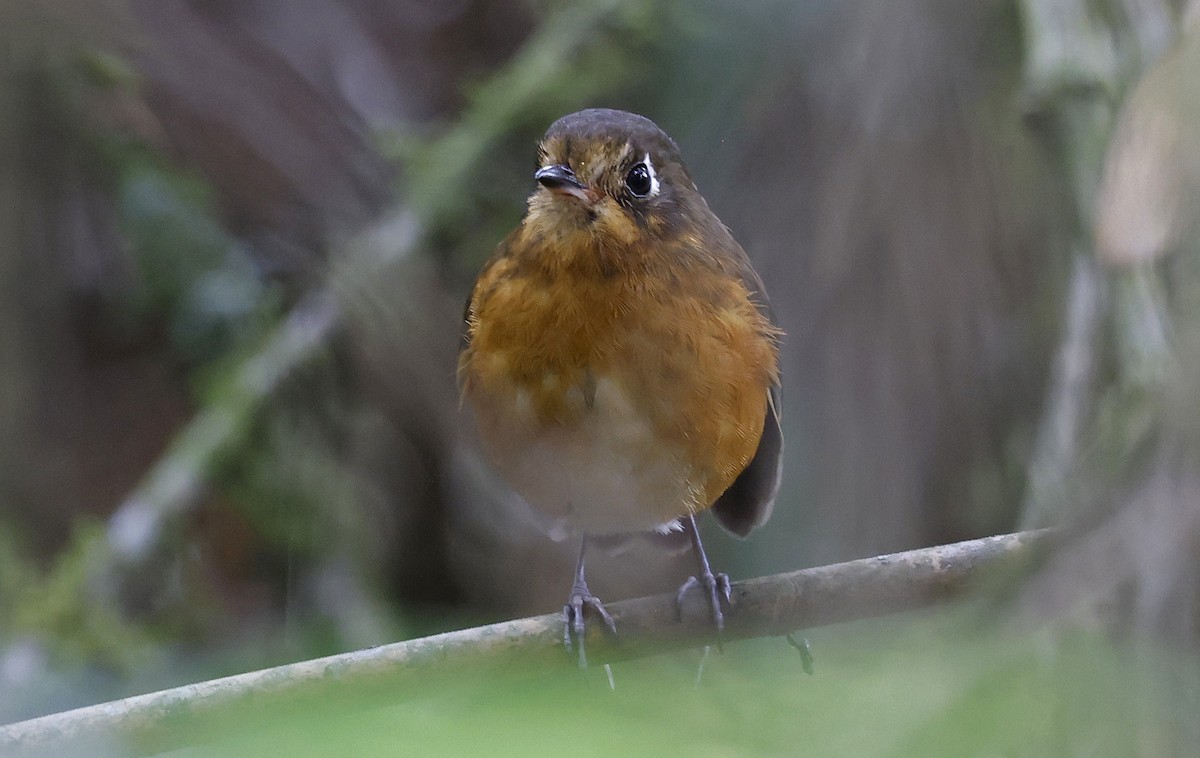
<point>191,274</point>
<point>188,273</point>
<point>643,56</point>
<point>932,686</point>
<point>581,54</point>
<point>300,492</point>
<point>54,608</point>
<point>325,489</point>
<point>189,286</point>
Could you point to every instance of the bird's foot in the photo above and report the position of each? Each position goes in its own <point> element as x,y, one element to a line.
<point>719,593</point>
<point>574,611</point>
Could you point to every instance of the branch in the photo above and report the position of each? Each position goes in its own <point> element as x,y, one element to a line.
<point>175,484</point>
<point>142,529</point>
<point>772,605</point>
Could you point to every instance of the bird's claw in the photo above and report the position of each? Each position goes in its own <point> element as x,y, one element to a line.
<point>719,593</point>
<point>573,620</point>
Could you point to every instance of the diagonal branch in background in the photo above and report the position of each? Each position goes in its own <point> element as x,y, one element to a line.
<point>142,529</point>
<point>772,605</point>
<point>177,480</point>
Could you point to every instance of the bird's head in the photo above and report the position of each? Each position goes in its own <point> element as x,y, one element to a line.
<point>614,177</point>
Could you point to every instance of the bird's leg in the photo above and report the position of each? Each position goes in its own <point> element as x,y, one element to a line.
<point>716,586</point>
<point>578,601</point>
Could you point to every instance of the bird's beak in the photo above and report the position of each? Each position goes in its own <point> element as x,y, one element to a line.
<point>561,180</point>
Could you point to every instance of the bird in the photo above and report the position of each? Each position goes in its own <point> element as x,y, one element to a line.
<point>620,358</point>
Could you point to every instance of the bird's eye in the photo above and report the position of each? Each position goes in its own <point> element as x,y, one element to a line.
<point>639,180</point>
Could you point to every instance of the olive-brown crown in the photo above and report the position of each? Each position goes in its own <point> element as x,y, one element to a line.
<point>600,163</point>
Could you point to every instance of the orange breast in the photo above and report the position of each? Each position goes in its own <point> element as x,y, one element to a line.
<point>647,387</point>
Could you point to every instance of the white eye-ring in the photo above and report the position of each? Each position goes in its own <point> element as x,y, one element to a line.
<point>653,175</point>
<point>642,180</point>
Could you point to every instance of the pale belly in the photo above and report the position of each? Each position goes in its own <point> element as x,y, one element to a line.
<point>606,471</point>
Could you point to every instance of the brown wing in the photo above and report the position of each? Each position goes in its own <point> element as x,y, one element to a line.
<point>748,502</point>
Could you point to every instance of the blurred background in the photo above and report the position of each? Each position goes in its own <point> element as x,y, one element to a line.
<point>235,240</point>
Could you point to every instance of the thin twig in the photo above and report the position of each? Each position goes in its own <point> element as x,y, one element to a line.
<point>768,606</point>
